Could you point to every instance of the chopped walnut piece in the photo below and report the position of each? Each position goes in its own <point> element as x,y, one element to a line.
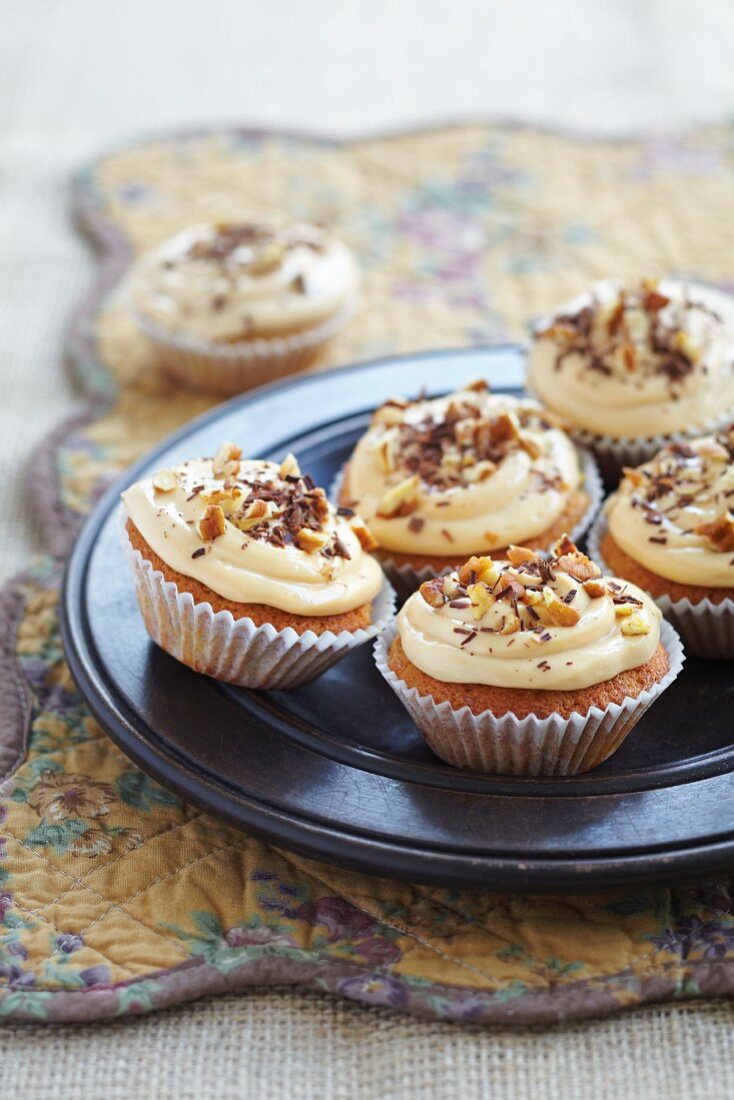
<point>511,624</point>
<point>636,624</point>
<point>503,429</point>
<point>165,481</point>
<point>432,592</point>
<point>226,462</point>
<point>481,598</point>
<point>529,446</point>
<point>228,497</point>
<point>401,499</point>
<point>311,541</point>
<point>562,614</point>
<point>366,539</point>
<point>519,554</point>
<point>719,533</point>
<point>578,566</point>
<point>289,467</point>
<point>212,524</point>
<point>479,471</point>
<point>595,589</point>
<point>451,586</point>
<point>267,259</point>
<point>256,513</point>
<point>632,475</point>
<point>479,385</point>
<point>531,597</point>
<point>475,568</point>
<point>386,453</point>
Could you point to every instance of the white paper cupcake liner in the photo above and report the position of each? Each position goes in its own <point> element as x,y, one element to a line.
<point>529,746</point>
<point>232,368</point>
<point>614,454</point>
<point>405,579</point>
<point>235,650</point>
<point>707,628</point>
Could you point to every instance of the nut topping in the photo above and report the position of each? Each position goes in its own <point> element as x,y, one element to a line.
<point>311,541</point>
<point>226,462</point>
<point>719,533</point>
<point>401,499</point>
<point>636,624</point>
<point>165,481</point>
<point>367,540</point>
<point>289,467</point>
<point>212,524</point>
<point>562,614</point>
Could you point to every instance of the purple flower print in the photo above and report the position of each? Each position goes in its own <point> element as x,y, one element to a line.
<point>6,903</point>
<point>68,944</point>
<point>95,975</point>
<point>343,920</point>
<point>17,978</point>
<point>17,949</point>
<point>379,951</point>
<point>375,989</point>
<point>690,935</point>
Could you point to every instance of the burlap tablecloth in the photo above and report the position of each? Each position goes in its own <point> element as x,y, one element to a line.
<point>464,235</point>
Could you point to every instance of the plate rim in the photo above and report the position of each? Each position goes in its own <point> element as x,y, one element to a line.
<point>321,840</point>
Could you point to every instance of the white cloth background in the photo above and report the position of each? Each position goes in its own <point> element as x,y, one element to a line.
<point>80,75</point>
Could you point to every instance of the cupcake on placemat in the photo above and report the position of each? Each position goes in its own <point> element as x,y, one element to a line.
<point>228,307</point>
<point>244,571</point>
<point>669,528</point>
<point>440,479</point>
<point>631,366</point>
<point>530,665</point>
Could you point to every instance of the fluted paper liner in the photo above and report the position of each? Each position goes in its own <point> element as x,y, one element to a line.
<point>236,650</point>
<point>405,579</point>
<point>707,628</point>
<point>232,368</point>
<point>614,454</point>
<point>525,746</point>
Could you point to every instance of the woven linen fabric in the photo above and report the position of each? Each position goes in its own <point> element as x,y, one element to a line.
<point>116,898</point>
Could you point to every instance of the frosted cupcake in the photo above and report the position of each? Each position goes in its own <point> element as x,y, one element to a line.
<point>631,366</point>
<point>245,572</point>
<point>529,665</point>
<point>228,307</point>
<point>669,528</point>
<point>438,480</point>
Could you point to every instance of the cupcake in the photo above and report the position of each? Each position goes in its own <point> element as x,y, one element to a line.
<point>632,366</point>
<point>528,665</point>
<point>245,572</point>
<point>228,307</point>
<point>438,480</point>
<point>669,528</point>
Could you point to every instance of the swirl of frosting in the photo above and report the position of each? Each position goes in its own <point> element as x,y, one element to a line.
<point>673,514</point>
<point>637,361</point>
<point>254,532</point>
<point>227,283</point>
<point>458,474</point>
<point>529,622</point>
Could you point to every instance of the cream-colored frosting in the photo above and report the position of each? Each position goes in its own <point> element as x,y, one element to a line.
<point>449,642</point>
<point>520,498</point>
<point>658,511</point>
<point>627,394</point>
<point>228,284</point>
<point>242,566</point>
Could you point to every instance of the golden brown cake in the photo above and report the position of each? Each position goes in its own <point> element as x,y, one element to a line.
<point>223,548</point>
<point>507,664</point>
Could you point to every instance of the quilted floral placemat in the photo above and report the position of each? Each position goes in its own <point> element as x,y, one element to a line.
<point>114,897</point>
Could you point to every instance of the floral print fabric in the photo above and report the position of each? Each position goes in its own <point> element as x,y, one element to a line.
<point>114,897</point>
